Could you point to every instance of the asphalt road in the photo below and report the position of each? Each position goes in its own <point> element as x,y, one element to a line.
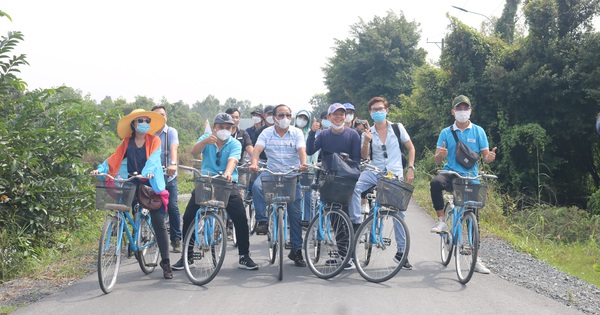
<point>428,289</point>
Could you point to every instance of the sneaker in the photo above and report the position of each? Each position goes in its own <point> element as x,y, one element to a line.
<point>398,258</point>
<point>179,264</point>
<point>262,228</point>
<point>481,268</point>
<point>296,256</point>
<point>247,263</point>
<point>176,244</point>
<point>166,267</point>
<point>350,265</point>
<point>332,262</point>
<point>439,227</point>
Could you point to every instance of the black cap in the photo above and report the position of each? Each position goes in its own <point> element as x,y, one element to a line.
<point>269,109</point>
<point>223,118</point>
<point>256,111</point>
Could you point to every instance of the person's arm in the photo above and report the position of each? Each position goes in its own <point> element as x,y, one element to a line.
<point>303,159</point>
<point>311,143</point>
<point>231,164</point>
<point>366,142</point>
<point>254,157</point>
<point>441,150</point>
<point>202,143</point>
<point>410,173</point>
<point>247,143</point>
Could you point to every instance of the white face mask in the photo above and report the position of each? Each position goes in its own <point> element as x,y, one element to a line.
<point>300,122</point>
<point>256,119</point>
<point>336,127</point>
<point>349,117</point>
<point>284,123</point>
<point>270,120</point>
<point>223,134</point>
<point>462,116</point>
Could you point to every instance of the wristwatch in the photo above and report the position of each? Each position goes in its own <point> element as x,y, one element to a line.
<point>411,167</point>
<point>173,163</point>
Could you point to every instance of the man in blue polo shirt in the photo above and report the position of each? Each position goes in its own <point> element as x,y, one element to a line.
<point>473,136</point>
<point>220,154</point>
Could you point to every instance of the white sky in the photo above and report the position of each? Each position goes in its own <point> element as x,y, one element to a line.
<point>267,52</point>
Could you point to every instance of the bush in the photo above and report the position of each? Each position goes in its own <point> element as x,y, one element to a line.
<point>594,203</point>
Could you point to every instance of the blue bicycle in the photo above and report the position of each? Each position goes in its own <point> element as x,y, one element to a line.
<point>117,195</point>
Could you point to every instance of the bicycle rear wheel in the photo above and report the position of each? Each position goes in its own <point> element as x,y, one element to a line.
<point>271,237</point>
<point>280,240</point>
<point>380,240</point>
<point>328,246</point>
<point>204,248</point>
<point>147,245</point>
<point>467,246</point>
<point>109,253</point>
<point>446,244</point>
<point>251,216</point>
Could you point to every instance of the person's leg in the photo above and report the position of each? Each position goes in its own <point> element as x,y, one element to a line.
<point>259,200</point>
<point>235,210</point>
<point>294,221</point>
<point>437,185</point>
<point>162,238</point>
<point>188,217</point>
<point>366,180</point>
<point>174,216</point>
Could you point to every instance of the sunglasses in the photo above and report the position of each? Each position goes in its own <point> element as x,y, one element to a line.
<point>218,161</point>
<point>284,115</point>
<point>385,156</point>
<point>141,120</point>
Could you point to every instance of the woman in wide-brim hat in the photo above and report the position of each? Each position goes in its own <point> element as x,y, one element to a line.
<point>141,149</point>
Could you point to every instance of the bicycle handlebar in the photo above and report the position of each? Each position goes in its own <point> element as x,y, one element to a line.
<point>198,173</point>
<point>277,173</point>
<point>122,180</point>
<point>481,175</point>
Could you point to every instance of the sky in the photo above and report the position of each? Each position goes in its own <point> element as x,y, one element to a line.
<point>266,52</point>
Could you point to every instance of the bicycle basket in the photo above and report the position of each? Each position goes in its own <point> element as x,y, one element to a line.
<point>114,197</point>
<point>306,179</point>
<point>207,189</point>
<point>393,193</point>
<point>279,188</point>
<point>336,189</point>
<point>465,191</point>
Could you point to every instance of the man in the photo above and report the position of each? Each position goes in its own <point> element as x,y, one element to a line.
<point>336,139</point>
<point>349,114</point>
<point>168,157</point>
<point>381,142</point>
<point>244,139</point>
<point>475,138</point>
<point>269,121</point>
<point>285,148</point>
<point>221,153</point>
<point>257,121</point>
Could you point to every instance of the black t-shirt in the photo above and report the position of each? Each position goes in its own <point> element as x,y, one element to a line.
<point>136,157</point>
<point>263,155</point>
<point>243,137</point>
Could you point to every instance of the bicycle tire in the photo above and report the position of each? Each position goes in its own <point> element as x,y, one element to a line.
<point>109,255</point>
<point>233,235</point>
<point>467,247</point>
<point>200,266</point>
<point>147,246</point>
<point>382,264</point>
<point>251,215</point>
<point>271,237</point>
<point>280,241</point>
<point>446,239</point>
<point>326,252</point>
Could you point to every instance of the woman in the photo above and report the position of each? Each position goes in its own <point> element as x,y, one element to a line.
<point>142,150</point>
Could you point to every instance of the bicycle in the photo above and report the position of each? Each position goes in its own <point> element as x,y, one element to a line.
<point>279,189</point>
<point>460,211</point>
<point>205,242</point>
<point>382,242</point>
<point>248,204</point>
<point>142,243</point>
<point>328,242</point>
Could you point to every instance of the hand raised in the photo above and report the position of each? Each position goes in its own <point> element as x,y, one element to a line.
<point>442,152</point>
<point>315,125</point>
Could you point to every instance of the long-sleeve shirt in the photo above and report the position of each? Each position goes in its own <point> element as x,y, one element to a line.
<point>329,142</point>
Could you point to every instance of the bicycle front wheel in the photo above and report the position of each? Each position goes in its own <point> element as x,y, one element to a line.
<point>251,217</point>
<point>328,243</point>
<point>204,248</point>
<point>109,253</point>
<point>446,244</point>
<point>280,240</point>
<point>272,237</point>
<point>467,246</point>
<point>147,245</point>
<point>381,246</point>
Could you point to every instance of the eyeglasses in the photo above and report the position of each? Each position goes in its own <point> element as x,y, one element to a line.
<point>385,156</point>
<point>461,108</point>
<point>218,161</point>
<point>141,120</point>
<point>284,115</point>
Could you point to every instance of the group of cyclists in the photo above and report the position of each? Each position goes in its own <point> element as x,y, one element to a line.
<point>280,141</point>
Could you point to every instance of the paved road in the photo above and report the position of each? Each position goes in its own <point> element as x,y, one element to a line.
<point>428,289</point>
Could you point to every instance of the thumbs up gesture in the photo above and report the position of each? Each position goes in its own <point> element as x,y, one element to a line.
<point>441,153</point>
<point>315,125</point>
<point>491,156</point>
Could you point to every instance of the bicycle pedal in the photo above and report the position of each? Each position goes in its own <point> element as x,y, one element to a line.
<point>151,265</point>
<point>387,241</point>
<point>288,245</point>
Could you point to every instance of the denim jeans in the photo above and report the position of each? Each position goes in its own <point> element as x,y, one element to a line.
<point>293,209</point>
<point>174,215</point>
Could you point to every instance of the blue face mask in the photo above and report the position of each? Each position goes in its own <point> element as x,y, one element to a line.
<point>379,116</point>
<point>142,128</point>
<point>326,123</point>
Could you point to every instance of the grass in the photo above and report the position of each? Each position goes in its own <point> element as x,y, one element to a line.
<point>580,259</point>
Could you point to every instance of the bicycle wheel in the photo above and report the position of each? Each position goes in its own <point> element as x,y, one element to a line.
<point>280,240</point>
<point>147,245</point>
<point>467,245</point>
<point>204,248</point>
<point>233,235</point>
<point>271,237</point>
<point>109,253</point>
<point>327,245</point>
<point>380,240</point>
<point>446,244</point>
<point>251,217</point>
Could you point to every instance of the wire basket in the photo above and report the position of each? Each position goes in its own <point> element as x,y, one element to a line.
<point>212,189</point>
<point>336,189</point>
<point>393,193</point>
<point>467,190</point>
<point>306,179</point>
<point>279,188</point>
<point>114,196</point>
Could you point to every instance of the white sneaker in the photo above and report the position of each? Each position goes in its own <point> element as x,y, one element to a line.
<point>481,268</point>
<point>439,227</point>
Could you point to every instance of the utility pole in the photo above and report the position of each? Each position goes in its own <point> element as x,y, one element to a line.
<point>437,44</point>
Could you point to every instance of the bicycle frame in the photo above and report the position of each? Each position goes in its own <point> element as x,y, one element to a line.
<point>208,226</point>
<point>329,239</point>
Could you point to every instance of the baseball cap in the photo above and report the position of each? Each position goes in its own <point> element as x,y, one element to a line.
<point>461,99</point>
<point>349,106</point>
<point>256,111</point>
<point>335,106</point>
<point>269,109</point>
<point>223,118</point>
